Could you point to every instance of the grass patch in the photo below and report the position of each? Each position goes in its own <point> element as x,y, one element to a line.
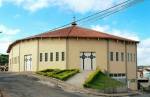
<point>98,80</point>
<point>59,74</point>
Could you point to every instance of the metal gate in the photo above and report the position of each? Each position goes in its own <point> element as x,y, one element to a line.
<point>88,60</point>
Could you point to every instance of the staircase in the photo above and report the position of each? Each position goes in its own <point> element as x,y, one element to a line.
<point>79,79</point>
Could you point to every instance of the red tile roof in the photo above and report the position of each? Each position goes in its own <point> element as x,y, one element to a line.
<point>71,32</point>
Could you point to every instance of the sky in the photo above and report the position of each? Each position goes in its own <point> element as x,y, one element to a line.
<point>23,18</point>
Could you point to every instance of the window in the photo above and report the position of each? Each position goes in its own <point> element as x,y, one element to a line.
<point>57,56</point>
<point>115,75</point>
<point>51,56</point>
<point>119,74</point>
<point>128,57</point>
<point>41,57</point>
<point>63,56</point>
<point>122,56</point>
<point>123,75</point>
<point>131,57</point>
<point>111,75</point>
<point>111,56</point>
<point>134,58</point>
<point>117,56</point>
<point>46,57</point>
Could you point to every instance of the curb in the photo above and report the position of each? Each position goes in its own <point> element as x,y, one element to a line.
<point>71,88</point>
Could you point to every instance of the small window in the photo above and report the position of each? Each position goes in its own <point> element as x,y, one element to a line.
<point>111,56</point>
<point>117,56</point>
<point>119,74</point>
<point>123,75</point>
<point>46,57</point>
<point>115,75</point>
<point>134,58</point>
<point>131,57</point>
<point>128,57</point>
<point>57,56</point>
<point>111,75</point>
<point>122,56</point>
<point>51,56</point>
<point>41,57</point>
<point>63,56</point>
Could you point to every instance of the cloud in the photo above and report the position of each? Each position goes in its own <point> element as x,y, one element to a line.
<point>121,33</point>
<point>4,43</point>
<point>6,37</point>
<point>80,6</point>
<point>4,46</point>
<point>0,3</point>
<point>144,52</point>
<point>8,31</point>
<point>143,47</point>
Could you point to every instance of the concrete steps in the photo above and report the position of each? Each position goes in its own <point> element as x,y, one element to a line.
<point>79,79</point>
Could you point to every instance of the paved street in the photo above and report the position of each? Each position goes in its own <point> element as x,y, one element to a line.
<point>22,86</point>
<point>15,85</point>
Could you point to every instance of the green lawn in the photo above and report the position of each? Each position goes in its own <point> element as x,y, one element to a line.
<point>59,74</point>
<point>101,81</point>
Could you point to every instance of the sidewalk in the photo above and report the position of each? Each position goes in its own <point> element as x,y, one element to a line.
<point>71,88</point>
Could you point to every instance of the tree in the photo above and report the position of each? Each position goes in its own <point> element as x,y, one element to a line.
<point>3,59</point>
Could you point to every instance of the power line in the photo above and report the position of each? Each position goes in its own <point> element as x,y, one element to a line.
<point>104,13</point>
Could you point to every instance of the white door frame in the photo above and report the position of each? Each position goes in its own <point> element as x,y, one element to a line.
<point>28,62</point>
<point>88,60</point>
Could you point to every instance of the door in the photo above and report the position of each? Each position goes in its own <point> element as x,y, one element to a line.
<point>28,62</point>
<point>88,60</point>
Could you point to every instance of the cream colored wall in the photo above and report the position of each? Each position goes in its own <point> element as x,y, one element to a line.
<point>87,45</point>
<point>10,60</point>
<point>14,53</point>
<point>52,45</point>
<point>131,67</point>
<point>28,48</point>
<point>117,66</point>
<point>15,66</point>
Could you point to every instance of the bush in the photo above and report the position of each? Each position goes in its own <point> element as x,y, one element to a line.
<point>98,80</point>
<point>91,77</point>
<point>59,74</point>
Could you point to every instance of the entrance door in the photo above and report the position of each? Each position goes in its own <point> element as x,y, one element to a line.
<point>28,62</point>
<point>88,60</point>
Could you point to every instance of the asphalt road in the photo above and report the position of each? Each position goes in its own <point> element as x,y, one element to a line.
<point>15,85</point>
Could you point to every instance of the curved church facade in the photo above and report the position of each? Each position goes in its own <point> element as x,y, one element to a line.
<point>76,47</point>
